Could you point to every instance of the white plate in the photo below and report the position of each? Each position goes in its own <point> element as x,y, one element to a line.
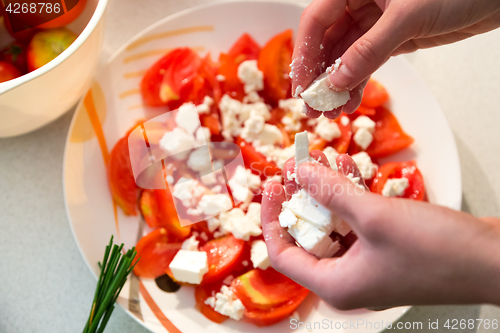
<point>116,101</point>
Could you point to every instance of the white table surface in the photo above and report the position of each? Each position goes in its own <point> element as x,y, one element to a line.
<point>45,285</point>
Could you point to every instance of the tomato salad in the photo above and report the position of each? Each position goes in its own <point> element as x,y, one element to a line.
<point>244,97</point>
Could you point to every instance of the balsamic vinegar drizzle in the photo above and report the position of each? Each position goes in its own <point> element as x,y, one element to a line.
<point>166,284</point>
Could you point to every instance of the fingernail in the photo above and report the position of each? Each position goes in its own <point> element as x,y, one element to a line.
<point>341,79</point>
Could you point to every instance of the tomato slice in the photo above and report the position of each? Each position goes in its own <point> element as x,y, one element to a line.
<point>255,161</point>
<point>265,289</point>
<point>163,213</point>
<point>388,138</point>
<point>201,293</point>
<point>274,61</point>
<point>178,77</point>
<point>409,170</point>
<point>223,256</point>
<point>276,314</point>
<point>8,72</point>
<point>374,94</point>
<point>121,178</point>
<point>245,48</point>
<point>156,252</point>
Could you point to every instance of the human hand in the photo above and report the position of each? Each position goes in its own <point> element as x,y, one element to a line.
<point>366,33</point>
<point>407,252</point>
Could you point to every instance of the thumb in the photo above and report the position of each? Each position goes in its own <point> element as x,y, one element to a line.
<point>371,50</point>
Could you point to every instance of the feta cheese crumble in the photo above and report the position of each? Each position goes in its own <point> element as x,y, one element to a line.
<point>321,97</point>
<point>190,244</point>
<point>258,255</point>
<point>225,302</point>
<point>363,138</point>
<point>365,165</point>
<point>189,266</point>
<point>327,129</point>
<point>250,75</point>
<point>395,187</point>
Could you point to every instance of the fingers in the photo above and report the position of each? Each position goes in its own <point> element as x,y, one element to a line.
<point>289,171</point>
<point>370,51</point>
<point>336,192</point>
<point>346,166</point>
<point>311,113</point>
<point>285,256</point>
<point>308,57</point>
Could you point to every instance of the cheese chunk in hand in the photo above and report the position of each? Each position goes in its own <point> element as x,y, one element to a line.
<point>321,97</point>
<point>313,240</point>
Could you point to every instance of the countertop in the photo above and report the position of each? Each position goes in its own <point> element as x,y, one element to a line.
<point>45,285</point>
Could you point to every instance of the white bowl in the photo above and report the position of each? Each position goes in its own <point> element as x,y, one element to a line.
<point>37,98</point>
<point>115,103</point>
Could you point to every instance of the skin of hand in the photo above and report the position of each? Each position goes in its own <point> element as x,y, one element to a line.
<point>366,33</point>
<point>407,252</point>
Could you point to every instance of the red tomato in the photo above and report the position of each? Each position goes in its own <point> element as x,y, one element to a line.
<point>156,253</point>
<point>47,45</point>
<point>274,315</point>
<point>388,138</point>
<point>365,110</point>
<point>8,72</point>
<point>374,95</point>
<point>121,178</point>
<point>255,161</point>
<point>158,209</point>
<point>223,256</point>
<point>67,18</point>
<point>178,77</point>
<point>340,144</point>
<point>266,289</point>
<point>201,293</point>
<point>274,61</point>
<point>15,54</point>
<point>23,35</point>
<point>409,170</point>
<point>245,48</point>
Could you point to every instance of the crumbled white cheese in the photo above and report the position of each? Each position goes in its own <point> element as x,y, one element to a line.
<point>335,66</point>
<point>320,97</point>
<point>271,135</point>
<point>177,143</point>
<point>253,127</point>
<point>213,223</point>
<point>242,183</point>
<point>313,240</point>
<point>250,75</point>
<point>214,204</point>
<point>189,266</point>
<point>188,191</point>
<point>190,244</point>
<point>301,148</point>
<point>363,138</point>
<point>187,118</point>
<point>276,154</point>
<point>327,129</point>
<point>205,106</point>
<point>199,160</point>
<point>294,113</point>
<point>234,113</point>
<point>203,135</point>
<point>240,225</point>
<point>258,255</point>
<point>363,122</point>
<point>344,120</point>
<point>331,154</point>
<point>395,187</point>
<point>220,77</point>
<point>228,304</point>
<point>252,97</point>
<point>365,165</point>
<point>287,218</point>
<point>305,207</point>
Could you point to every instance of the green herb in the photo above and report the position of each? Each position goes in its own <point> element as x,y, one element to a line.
<point>115,268</point>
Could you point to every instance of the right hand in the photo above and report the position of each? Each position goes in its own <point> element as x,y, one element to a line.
<point>366,33</point>
<point>407,252</point>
